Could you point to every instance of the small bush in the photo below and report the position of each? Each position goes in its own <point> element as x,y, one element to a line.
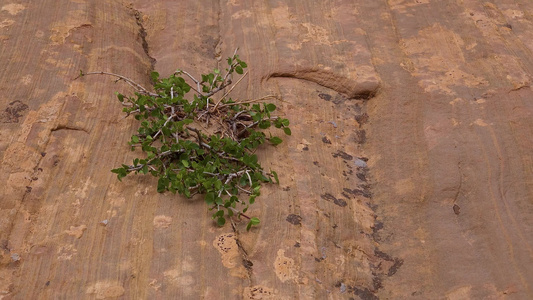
<point>199,145</point>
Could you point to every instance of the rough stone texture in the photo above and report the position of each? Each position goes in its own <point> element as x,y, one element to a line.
<point>409,174</point>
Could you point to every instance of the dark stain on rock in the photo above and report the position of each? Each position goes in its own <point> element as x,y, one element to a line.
<point>375,230</point>
<point>456,209</point>
<point>343,155</point>
<point>294,219</point>
<point>339,98</point>
<point>323,96</point>
<point>382,265</point>
<point>397,263</point>
<point>377,283</point>
<point>258,292</point>
<point>377,226</point>
<point>355,192</point>
<point>56,160</point>
<point>247,264</point>
<point>347,174</point>
<point>325,140</point>
<point>361,119</point>
<point>360,136</point>
<point>297,245</point>
<point>361,176</point>
<point>363,293</point>
<point>13,111</point>
<point>329,197</point>
<point>315,163</point>
<point>306,148</point>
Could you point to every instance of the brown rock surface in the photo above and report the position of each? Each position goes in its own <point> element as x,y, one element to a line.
<point>409,174</point>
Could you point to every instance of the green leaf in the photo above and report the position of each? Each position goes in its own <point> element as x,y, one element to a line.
<point>239,70</point>
<point>287,130</point>
<point>256,116</point>
<point>134,139</point>
<point>243,64</point>
<point>270,107</point>
<point>221,221</point>
<point>210,198</point>
<point>275,176</point>
<point>253,222</point>
<point>185,163</point>
<point>150,154</point>
<point>218,184</point>
<point>162,184</point>
<point>264,124</point>
<point>275,140</point>
<point>120,97</point>
<point>121,172</point>
<point>166,131</point>
<point>155,76</point>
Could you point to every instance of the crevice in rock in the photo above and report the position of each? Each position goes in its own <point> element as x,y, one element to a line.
<point>246,262</point>
<point>142,34</point>
<point>218,41</point>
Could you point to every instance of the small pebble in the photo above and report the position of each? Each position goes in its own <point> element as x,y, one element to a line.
<point>15,257</point>
<point>343,288</point>
<point>360,163</point>
<point>104,222</point>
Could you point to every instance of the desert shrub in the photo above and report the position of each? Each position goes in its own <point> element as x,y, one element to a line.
<point>204,143</point>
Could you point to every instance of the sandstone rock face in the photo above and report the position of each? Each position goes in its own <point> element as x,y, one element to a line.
<point>409,173</point>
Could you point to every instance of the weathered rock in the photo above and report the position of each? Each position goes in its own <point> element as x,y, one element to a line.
<point>408,173</point>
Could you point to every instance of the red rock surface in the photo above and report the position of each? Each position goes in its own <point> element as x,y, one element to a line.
<point>433,97</point>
